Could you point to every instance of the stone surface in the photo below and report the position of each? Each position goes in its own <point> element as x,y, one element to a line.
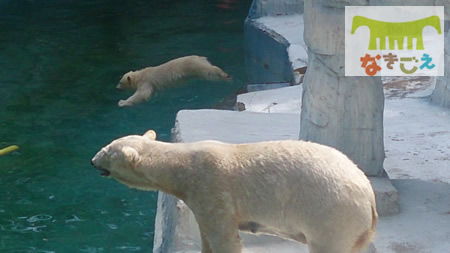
<point>423,225</point>
<point>235,127</point>
<point>283,100</point>
<point>386,196</point>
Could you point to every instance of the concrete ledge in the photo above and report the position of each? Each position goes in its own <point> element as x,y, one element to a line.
<point>234,127</point>
<point>386,196</point>
<point>282,100</point>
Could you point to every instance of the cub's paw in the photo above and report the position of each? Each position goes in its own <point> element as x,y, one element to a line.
<point>228,78</point>
<point>123,103</point>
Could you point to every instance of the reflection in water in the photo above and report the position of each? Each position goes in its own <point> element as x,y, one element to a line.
<point>227,4</point>
<point>60,61</point>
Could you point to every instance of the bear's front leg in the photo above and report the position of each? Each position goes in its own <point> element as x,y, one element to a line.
<point>139,96</point>
<point>205,244</point>
<point>219,235</point>
<point>123,103</point>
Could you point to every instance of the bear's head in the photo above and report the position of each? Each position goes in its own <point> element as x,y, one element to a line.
<point>122,160</point>
<point>126,82</point>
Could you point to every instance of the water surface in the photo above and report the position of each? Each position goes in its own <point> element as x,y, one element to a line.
<point>59,64</point>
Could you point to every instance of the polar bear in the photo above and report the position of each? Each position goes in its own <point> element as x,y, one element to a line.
<point>298,190</point>
<point>149,79</point>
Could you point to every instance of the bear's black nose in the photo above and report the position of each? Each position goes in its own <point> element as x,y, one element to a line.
<point>92,163</point>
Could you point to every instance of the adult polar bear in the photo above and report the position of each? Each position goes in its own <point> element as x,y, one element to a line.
<point>149,79</point>
<point>294,189</point>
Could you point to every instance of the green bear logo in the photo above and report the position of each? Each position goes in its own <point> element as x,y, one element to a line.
<point>396,31</point>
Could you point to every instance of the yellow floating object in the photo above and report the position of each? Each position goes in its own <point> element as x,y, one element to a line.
<point>8,149</point>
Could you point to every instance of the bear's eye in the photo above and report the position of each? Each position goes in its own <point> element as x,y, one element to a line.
<point>114,155</point>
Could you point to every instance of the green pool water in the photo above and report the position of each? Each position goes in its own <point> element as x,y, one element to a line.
<point>59,64</point>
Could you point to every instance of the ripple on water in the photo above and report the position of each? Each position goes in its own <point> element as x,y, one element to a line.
<point>17,227</point>
<point>112,226</point>
<point>39,217</point>
<point>21,181</point>
<point>129,248</point>
<point>24,201</point>
<point>90,249</point>
<point>24,224</point>
<point>74,219</point>
<point>23,249</point>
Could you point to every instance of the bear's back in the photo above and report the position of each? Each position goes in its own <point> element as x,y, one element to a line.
<point>297,174</point>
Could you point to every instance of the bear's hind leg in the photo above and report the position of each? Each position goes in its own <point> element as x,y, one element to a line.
<point>205,70</point>
<point>330,245</point>
<point>226,243</point>
<point>219,236</point>
<point>217,74</point>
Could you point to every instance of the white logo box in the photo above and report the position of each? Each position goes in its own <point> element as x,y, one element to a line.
<point>357,44</point>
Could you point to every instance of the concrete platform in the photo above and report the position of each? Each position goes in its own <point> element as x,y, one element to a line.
<point>234,127</point>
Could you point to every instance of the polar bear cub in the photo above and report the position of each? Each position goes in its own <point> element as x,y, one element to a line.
<point>147,80</point>
<point>294,189</point>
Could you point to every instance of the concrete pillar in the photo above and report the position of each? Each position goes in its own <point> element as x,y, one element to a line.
<point>339,111</point>
<point>441,94</point>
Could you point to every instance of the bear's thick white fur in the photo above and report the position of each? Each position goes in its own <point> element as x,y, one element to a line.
<point>149,79</point>
<point>294,189</point>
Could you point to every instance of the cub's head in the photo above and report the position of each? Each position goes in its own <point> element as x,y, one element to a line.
<point>122,160</point>
<point>126,82</point>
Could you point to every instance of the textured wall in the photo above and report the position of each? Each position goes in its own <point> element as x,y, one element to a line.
<point>339,111</point>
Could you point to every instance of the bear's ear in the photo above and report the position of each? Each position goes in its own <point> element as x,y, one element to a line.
<point>150,134</point>
<point>129,79</point>
<point>131,155</point>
